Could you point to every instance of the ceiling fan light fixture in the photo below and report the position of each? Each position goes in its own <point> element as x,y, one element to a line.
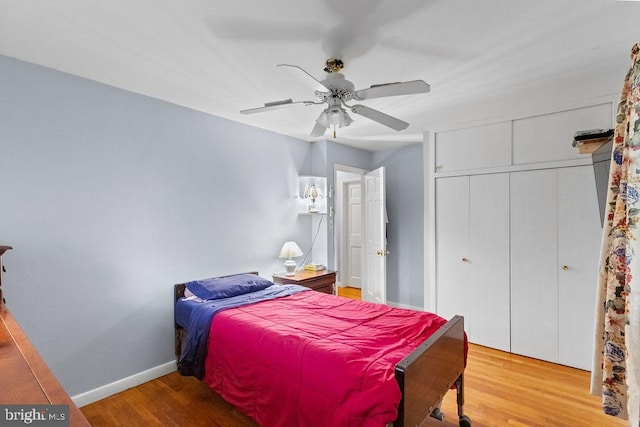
<point>323,119</point>
<point>346,120</point>
<point>338,117</point>
<point>335,116</point>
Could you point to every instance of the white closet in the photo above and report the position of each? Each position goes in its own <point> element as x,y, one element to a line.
<point>517,234</point>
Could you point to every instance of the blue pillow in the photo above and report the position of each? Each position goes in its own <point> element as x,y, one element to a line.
<point>226,287</point>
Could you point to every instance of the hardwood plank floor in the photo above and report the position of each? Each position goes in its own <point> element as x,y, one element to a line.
<point>349,292</point>
<point>507,389</point>
<point>171,400</point>
<point>501,389</point>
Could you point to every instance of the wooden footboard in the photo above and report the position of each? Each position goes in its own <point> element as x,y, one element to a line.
<point>425,375</point>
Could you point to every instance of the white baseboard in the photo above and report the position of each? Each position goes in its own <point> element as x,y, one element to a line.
<point>398,305</point>
<point>134,380</point>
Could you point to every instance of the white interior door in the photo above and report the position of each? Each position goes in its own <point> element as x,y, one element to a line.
<point>374,285</point>
<point>343,176</point>
<point>353,233</point>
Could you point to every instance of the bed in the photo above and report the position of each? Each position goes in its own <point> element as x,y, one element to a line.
<point>287,355</point>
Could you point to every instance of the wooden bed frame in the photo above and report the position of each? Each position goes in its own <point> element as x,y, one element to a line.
<point>424,376</point>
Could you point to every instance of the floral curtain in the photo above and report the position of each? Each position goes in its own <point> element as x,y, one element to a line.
<point>616,371</point>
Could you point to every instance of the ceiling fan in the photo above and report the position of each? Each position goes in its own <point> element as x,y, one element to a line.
<point>336,91</point>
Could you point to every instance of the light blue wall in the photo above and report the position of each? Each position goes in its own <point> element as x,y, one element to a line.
<point>404,173</point>
<point>109,198</point>
<point>343,155</point>
<point>319,158</point>
<point>405,207</point>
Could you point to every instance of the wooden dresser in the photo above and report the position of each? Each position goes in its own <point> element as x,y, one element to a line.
<point>24,377</point>
<point>321,281</point>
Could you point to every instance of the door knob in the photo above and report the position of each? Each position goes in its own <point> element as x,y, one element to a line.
<point>565,267</point>
<point>382,253</point>
<point>465,260</point>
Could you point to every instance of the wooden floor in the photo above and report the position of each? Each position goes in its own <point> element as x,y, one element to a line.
<point>501,389</point>
<point>507,389</point>
<point>349,292</point>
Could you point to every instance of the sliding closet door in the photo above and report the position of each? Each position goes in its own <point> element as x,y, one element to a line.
<point>534,260</point>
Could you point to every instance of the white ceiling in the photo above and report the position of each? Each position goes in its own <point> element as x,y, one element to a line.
<point>484,60</point>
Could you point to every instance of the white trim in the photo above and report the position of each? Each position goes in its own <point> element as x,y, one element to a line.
<point>407,306</point>
<point>123,384</point>
<point>585,161</point>
<point>430,224</point>
<point>344,168</point>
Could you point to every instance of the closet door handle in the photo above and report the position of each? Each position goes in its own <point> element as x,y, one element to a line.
<point>565,267</point>
<point>465,260</point>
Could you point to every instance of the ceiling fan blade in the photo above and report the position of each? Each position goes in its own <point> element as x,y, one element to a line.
<point>322,124</point>
<point>274,106</point>
<point>393,89</point>
<point>318,130</point>
<point>380,117</point>
<point>306,78</point>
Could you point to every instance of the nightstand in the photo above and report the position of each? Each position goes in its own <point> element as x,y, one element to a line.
<point>321,281</point>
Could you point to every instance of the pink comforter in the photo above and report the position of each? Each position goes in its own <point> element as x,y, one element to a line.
<point>312,359</point>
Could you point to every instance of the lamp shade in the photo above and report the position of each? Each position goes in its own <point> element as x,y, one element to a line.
<point>290,250</point>
<point>313,193</point>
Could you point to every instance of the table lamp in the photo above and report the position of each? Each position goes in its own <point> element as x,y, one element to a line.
<point>290,250</point>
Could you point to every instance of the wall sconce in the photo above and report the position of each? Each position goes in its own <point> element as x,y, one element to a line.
<point>313,189</point>
<point>313,193</point>
<point>290,250</point>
